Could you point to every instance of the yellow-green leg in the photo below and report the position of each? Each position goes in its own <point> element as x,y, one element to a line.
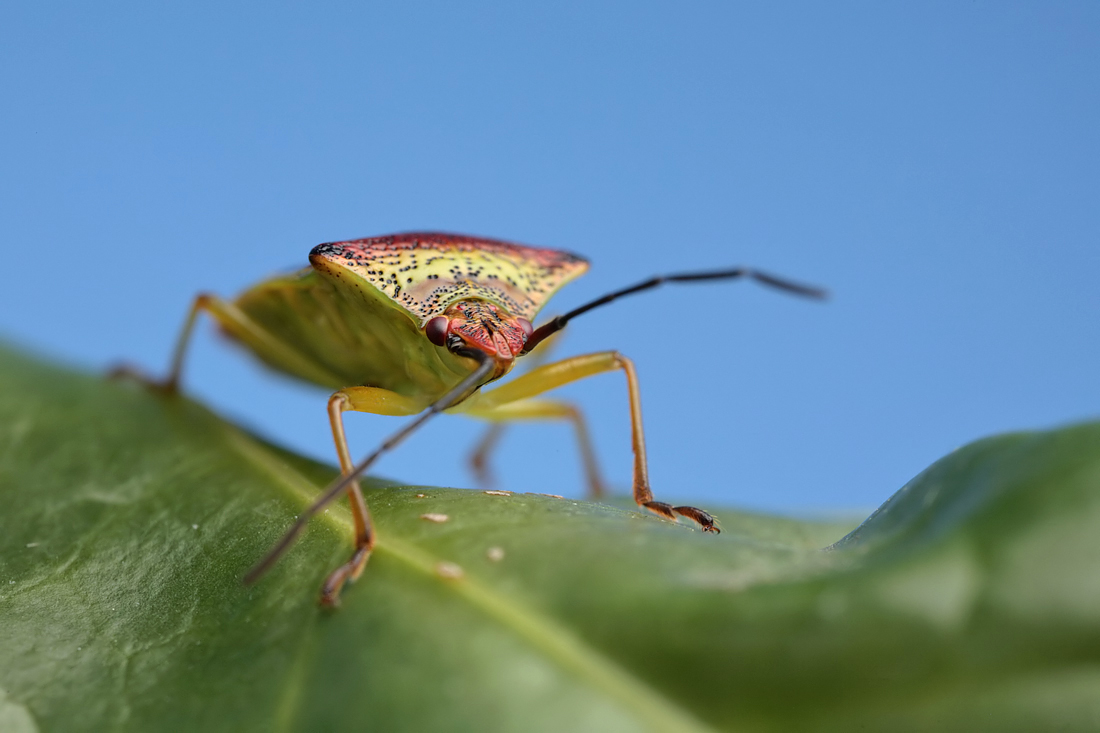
<point>238,325</point>
<point>203,301</point>
<point>361,399</point>
<point>480,456</point>
<point>531,409</point>
<point>170,383</point>
<point>551,376</point>
<point>378,402</point>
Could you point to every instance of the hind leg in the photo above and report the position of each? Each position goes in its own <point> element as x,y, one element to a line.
<point>534,409</point>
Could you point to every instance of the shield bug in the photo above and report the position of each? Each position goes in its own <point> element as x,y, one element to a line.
<point>417,324</point>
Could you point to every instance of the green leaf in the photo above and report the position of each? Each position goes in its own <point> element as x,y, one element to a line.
<point>969,601</point>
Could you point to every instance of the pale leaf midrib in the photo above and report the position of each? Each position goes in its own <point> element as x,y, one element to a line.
<point>558,643</point>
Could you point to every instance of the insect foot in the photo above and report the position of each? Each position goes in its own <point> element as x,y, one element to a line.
<point>126,372</point>
<point>351,570</point>
<point>705,520</point>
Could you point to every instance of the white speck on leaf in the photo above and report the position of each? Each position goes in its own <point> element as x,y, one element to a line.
<point>496,554</point>
<point>448,570</point>
<point>32,544</point>
<point>194,526</point>
<point>499,493</point>
<point>433,517</point>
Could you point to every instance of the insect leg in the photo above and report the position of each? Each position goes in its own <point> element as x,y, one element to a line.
<point>550,376</point>
<point>202,301</point>
<point>480,458</point>
<point>170,384</point>
<point>456,394</point>
<point>379,402</point>
<point>533,409</point>
<point>252,335</point>
<point>238,325</point>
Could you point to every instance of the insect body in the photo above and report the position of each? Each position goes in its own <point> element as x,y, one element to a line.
<point>415,324</point>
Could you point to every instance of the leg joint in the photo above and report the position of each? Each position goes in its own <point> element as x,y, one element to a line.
<point>338,402</point>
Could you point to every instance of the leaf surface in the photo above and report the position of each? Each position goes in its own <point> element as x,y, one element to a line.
<point>969,601</point>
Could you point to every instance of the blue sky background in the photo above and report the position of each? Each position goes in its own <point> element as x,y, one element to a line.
<point>936,165</point>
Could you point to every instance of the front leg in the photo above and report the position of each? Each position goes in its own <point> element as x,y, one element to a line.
<point>379,402</point>
<point>550,376</point>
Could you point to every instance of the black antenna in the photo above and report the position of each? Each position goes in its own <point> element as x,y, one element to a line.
<point>558,322</point>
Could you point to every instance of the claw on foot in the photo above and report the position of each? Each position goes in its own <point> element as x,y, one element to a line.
<point>349,571</point>
<point>703,519</point>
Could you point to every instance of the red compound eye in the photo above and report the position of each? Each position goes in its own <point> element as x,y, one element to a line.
<point>436,330</point>
<point>526,326</point>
